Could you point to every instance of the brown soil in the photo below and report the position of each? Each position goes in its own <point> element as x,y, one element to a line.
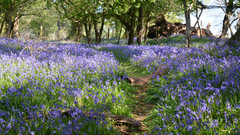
<point>141,108</point>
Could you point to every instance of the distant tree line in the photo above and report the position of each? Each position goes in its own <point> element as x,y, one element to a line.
<point>85,18</point>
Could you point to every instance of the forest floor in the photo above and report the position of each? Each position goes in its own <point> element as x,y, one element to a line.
<point>140,106</point>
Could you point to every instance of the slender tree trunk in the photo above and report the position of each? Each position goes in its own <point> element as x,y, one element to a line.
<point>101,28</point>
<point>132,27</point>
<point>88,32</point>
<point>9,29</point>
<point>146,31</point>
<point>108,35</point>
<point>197,22</point>
<point>1,28</point>
<point>2,19</point>
<point>98,34</point>
<point>77,33</point>
<point>80,32</point>
<point>229,25</point>
<point>117,29</point>
<point>1,14</point>
<point>140,25</point>
<point>10,21</point>
<point>119,36</point>
<point>226,20</point>
<point>188,24</point>
<point>59,29</point>
<point>16,28</point>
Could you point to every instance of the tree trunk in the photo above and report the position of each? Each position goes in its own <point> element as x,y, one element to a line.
<point>197,22</point>
<point>10,24</point>
<point>88,32</point>
<point>80,32</point>
<point>77,33</point>
<point>225,27</point>
<point>132,27</point>
<point>59,29</point>
<point>98,34</point>
<point>235,39</point>
<point>1,28</point>
<point>188,24</point>
<point>117,29</point>
<point>101,28</point>
<point>131,36</point>
<point>226,20</point>
<point>140,25</point>
<point>9,28</point>
<point>108,35</point>
<point>16,28</point>
<point>119,36</point>
<point>146,31</point>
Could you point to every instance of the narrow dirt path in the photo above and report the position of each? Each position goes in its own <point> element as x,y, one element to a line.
<point>140,79</point>
<point>141,108</point>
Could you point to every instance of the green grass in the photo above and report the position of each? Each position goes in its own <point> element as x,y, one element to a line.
<point>166,103</point>
<point>179,40</point>
<point>39,89</point>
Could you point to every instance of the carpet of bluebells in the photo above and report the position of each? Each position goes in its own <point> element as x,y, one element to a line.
<point>199,95</point>
<point>36,86</point>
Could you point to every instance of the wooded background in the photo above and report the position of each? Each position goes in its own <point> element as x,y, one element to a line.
<point>95,20</point>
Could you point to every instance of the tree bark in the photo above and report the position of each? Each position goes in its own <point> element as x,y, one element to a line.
<point>140,25</point>
<point>197,22</point>
<point>131,36</point>
<point>108,35</point>
<point>132,27</point>
<point>16,28</point>
<point>2,24</point>
<point>9,28</point>
<point>226,20</point>
<point>88,32</point>
<point>146,31</point>
<point>59,29</point>
<point>98,33</point>
<point>225,27</point>
<point>78,34</point>
<point>188,24</point>
<point>101,29</point>
<point>119,36</point>
<point>10,21</point>
<point>235,39</point>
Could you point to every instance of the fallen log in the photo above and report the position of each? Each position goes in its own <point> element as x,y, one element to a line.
<point>141,81</point>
